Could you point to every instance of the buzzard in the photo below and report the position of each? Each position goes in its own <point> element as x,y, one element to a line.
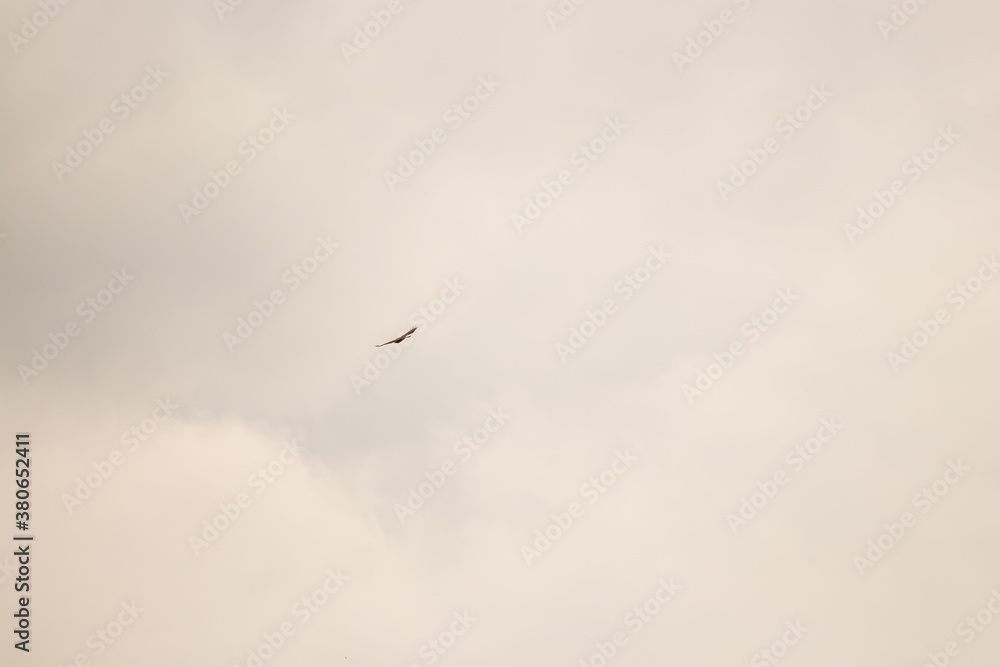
<point>401,338</point>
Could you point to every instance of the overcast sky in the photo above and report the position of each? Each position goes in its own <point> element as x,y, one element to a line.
<point>629,238</point>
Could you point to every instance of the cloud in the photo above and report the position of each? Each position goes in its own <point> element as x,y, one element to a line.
<point>282,529</point>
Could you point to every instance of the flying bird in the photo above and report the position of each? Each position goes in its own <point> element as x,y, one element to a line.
<point>401,338</point>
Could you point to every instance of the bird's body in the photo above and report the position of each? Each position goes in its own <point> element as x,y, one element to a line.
<point>401,338</point>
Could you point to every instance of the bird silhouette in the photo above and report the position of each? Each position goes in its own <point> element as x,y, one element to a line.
<point>401,338</point>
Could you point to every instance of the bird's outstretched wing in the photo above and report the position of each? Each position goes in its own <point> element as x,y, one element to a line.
<point>401,338</point>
